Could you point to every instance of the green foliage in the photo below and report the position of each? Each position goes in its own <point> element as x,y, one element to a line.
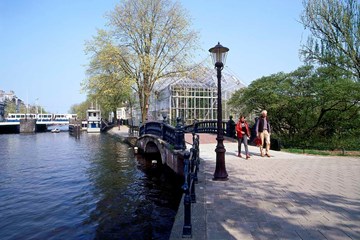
<point>80,109</point>
<point>334,38</point>
<point>10,107</point>
<point>308,107</point>
<point>106,83</point>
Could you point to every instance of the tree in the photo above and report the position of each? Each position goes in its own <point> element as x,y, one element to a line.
<point>106,83</point>
<point>308,107</point>
<point>334,34</point>
<point>10,107</point>
<point>80,109</point>
<point>152,40</point>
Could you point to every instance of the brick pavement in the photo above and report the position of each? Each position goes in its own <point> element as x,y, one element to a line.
<point>286,196</point>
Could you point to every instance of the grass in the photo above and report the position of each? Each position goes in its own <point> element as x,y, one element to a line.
<point>323,152</point>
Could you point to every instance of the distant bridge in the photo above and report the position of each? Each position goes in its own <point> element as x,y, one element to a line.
<point>52,122</point>
<point>29,125</point>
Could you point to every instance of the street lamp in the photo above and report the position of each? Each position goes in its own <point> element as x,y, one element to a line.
<point>218,54</point>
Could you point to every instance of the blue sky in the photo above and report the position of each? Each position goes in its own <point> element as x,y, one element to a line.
<point>42,42</point>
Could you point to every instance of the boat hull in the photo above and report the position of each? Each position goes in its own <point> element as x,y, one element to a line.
<point>93,130</point>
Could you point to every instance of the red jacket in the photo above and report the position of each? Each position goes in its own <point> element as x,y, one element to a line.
<point>238,129</point>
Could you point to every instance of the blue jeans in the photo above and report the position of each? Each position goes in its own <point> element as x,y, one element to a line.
<point>244,140</point>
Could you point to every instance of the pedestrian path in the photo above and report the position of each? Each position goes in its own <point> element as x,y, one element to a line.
<point>122,131</point>
<point>286,196</point>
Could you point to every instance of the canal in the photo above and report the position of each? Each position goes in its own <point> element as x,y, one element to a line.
<point>54,186</point>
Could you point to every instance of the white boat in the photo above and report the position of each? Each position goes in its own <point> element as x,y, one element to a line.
<point>55,130</point>
<point>93,120</point>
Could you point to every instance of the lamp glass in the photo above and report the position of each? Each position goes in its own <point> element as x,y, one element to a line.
<point>218,53</point>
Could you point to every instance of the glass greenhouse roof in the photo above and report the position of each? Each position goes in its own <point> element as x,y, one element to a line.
<point>206,78</point>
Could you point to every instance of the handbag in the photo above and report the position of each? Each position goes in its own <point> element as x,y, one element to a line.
<point>257,141</point>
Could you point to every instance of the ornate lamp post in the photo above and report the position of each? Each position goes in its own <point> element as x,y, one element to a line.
<point>218,54</point>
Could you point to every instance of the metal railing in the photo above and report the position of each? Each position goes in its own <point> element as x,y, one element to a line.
<point>176,135</point>
<point>191,168</point>
<point>211,127</point>
<point>173,135</point>
<point>134,131</point>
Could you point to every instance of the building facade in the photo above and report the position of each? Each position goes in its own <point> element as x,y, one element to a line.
<point>9,98</point>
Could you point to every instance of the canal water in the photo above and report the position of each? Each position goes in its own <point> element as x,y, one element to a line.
<point>55,186</point>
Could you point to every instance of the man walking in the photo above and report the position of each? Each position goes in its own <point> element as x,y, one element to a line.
<point>263,131</point>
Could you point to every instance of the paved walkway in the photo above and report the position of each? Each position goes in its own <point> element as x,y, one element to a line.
<point>122,132</point>
<point>286,196</point>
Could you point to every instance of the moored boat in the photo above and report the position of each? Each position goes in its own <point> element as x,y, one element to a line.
<point>55,130</point>
<point>93,120</point>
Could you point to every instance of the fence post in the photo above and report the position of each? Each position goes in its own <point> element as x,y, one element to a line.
<point>179,135</point>
<point>163,130</point>
<point>195,129</point>
<point>196,158</point>
<point>165,119</point>
<point>144,127</point>
<point>187,229</point>
<point>193,175</point>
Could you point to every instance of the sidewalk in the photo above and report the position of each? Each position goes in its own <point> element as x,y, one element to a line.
<point>286,196</point>
<point>122,132</point>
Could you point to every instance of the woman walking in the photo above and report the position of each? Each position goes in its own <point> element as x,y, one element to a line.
<point>243,133</point>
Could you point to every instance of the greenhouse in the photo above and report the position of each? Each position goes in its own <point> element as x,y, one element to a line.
<point>192,97</point>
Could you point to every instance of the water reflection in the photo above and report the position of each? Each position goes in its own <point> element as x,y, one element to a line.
<point>54,186</point>
<point>136,200</point>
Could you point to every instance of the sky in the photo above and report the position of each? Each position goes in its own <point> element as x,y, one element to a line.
<point>42,42</point>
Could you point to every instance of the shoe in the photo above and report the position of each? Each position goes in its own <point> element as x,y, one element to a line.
<point>262,154</point>
<point>247,156</point>
<point>268,155</point>
<point>239,155</point>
